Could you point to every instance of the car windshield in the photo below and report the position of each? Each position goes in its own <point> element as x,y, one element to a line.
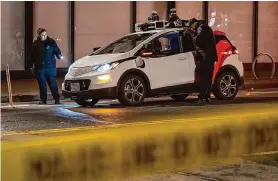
<point>125,44</point>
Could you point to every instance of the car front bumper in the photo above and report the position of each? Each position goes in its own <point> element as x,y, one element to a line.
<point>105,93</point>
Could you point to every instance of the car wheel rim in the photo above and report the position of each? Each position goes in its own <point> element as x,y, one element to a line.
<point>89,100</point>
<point>228,86</point>
<point>134,90</point>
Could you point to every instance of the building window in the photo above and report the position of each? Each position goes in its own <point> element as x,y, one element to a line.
<point>12,35</point>
<point>267,30</point>
<point>54,17</point>
<point>236,20</point>
<point>189,9</point>
<point>145,8</point>
<point>98,23</point>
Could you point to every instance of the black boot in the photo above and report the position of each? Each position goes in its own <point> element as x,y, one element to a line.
<point>201,102</point>
<point>42,102</point>
<point>57,102</point>
<point>208,100</point>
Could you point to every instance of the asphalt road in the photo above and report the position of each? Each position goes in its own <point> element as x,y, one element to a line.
<point>33,117</point>
<point>259,168</point>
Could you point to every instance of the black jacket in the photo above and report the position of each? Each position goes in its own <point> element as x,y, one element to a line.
<point>206,41</point>
<point>43,54</point>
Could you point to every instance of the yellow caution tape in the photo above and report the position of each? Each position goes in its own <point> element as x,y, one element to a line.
<point>134,150</point>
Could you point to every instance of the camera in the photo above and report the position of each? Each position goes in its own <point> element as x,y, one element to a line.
<point>153,17</point>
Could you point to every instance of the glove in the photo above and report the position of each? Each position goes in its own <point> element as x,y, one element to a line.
<point>60,57</point>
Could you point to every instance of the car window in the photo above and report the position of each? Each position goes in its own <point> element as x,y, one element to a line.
<point>218,38</point>
<point>167,44</point>
<point>125,44</point>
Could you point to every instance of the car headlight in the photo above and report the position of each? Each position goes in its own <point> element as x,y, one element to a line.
<point>105,67</point>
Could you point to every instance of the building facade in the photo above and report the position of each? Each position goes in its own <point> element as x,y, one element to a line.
<point>79,26</point>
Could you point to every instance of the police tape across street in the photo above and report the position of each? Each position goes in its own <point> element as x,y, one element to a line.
<point>134,150</point>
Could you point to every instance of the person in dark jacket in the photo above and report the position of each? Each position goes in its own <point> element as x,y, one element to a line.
<point>205,41</point>
<point>42,58</point>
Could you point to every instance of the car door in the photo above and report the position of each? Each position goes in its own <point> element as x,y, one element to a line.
<point>169,65</point>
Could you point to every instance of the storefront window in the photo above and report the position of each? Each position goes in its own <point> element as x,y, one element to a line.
<point>12,35</point>
<point>54,17</point>
<point>189,9</point>
<point>267,31</point>
<point>98,23</point>
<point>236,20</point>
<point>145,8</point>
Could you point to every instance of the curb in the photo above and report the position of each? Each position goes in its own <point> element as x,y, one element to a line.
<point>27,98</point>
<point>261,86</point>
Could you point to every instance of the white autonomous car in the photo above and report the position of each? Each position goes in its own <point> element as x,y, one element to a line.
<point>151,63</point>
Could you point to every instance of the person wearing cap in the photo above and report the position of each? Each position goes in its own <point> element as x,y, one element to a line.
<point>42,58</point>
<point>206,50</point>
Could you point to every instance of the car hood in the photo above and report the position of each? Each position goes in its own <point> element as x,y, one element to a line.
<point>99,59</point>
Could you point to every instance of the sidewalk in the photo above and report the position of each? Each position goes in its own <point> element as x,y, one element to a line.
<point>27,90</point>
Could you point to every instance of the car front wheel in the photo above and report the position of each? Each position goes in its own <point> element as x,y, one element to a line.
<point>87,102</point>
<point>226,86</point>
<point>132,90</point>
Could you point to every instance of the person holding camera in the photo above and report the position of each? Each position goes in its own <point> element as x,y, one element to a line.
<point>43,64</point>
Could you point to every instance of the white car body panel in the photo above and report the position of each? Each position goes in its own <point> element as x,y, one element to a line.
<point>98,59</point>
<point>233,61</point>
<point>171,70</point>
<point>167,71</point>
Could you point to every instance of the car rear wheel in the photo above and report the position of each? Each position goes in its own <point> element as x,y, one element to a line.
<point>132,90</point>
<point>226,86</point>
<point>87,102</point>
<point>179,97</point>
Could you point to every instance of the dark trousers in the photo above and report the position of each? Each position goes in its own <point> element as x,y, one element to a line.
<point>206,73</point>
<point>47,75</point>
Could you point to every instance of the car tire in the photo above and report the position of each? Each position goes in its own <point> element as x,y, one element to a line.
<point>180,97</point>
<point>226,86</point>
<point>132,90</point>
<point>87,102</point>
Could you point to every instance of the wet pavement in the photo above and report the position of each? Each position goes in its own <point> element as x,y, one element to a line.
<point>31,116</point>
<point>250,169</point>
<point>37,117</point>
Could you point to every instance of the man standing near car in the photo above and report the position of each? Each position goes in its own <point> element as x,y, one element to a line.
<point>42,57</point>
<point>206,49</point>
